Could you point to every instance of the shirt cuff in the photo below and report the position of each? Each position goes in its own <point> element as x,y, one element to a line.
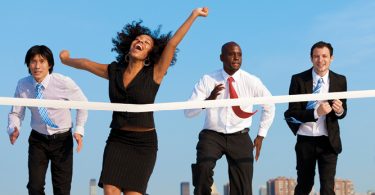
<point>316,116</point>
<point>80,130</point>
<point>262,132</point>
<point>10,130</point>
<point>339,114</point>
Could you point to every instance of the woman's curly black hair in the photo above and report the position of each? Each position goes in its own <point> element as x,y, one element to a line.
<point>128,34</point>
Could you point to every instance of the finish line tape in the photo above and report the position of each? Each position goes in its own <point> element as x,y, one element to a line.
<point>183,105</point>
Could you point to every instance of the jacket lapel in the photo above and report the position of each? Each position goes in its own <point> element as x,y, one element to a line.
<point>308,81</point>
<point>332,77</point>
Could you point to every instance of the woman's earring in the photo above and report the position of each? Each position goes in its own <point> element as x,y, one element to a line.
<point>127,57</point>
<point>147,62</point>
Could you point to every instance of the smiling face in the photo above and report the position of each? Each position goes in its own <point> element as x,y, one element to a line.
<point>141,47</point>
<point>321,59</point>
<point>231,56</point>
<point>39,67</point>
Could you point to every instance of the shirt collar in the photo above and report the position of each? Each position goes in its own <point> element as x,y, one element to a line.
<point>316,77</point>
<point>45,81</point>
<point>236,75</point>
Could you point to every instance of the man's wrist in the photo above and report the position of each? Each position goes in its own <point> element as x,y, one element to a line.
<point>339,114</point>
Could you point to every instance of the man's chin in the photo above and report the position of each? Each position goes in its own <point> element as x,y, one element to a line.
<point>38,77</point>
<point>236,67</point>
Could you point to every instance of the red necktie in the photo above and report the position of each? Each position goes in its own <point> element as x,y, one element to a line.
<point>236,109</point>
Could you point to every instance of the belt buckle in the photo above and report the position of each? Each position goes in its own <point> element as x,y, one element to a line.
<point>50,137</point>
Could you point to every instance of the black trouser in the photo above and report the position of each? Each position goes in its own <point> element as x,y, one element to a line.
<point>55,148</point>
<point>310,150</point>
<point>237,148</point>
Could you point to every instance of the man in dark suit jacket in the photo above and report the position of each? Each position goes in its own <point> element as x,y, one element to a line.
<point>316,123</point>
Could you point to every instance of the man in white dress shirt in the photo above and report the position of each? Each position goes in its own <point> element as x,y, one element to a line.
<point>225,131</point>
<point>51,137</point>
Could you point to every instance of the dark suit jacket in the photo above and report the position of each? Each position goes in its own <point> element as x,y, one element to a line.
<point>302,83</point>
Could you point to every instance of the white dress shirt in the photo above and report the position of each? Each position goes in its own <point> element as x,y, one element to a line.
<point>55,87</point>
<point>319,127</point>
<point>223,119</point>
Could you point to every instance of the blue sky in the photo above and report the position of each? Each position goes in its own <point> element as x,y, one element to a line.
<point>275,38</point>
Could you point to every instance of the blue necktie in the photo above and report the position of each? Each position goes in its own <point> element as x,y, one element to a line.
<point>43,111</point>
<point>312,104</point>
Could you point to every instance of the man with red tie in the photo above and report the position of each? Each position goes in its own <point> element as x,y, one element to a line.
<point>225,130</point>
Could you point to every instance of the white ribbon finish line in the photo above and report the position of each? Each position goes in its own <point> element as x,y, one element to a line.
<point>183,105</point>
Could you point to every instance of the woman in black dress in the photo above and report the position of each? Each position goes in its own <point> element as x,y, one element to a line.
<point>134,78</point>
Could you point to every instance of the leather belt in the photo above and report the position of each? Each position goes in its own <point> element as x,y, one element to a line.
<point>243,131</point>
<point>246,130</point>
<point>50,137</point>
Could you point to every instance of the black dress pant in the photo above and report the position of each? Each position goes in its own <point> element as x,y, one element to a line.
<point>237,148</point>
<point>55,148</point>
<point>309,151</point>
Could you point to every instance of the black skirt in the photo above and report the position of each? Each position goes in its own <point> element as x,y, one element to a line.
<point>129,159</point>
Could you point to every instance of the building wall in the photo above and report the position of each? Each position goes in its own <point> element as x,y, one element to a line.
<point>185,188</point>
<point>92,187</point>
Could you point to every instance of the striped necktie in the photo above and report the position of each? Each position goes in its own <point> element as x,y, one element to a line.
<point>310,104</point>
<point>316,90</point>
<point>42,110</point>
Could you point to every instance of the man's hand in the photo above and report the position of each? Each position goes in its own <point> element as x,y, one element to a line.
<point>79,141</point>
<point>337,106</point>
<point>215,92</point>
<point>324,108</point>
<point>258,146</point>
<point>13,137</point>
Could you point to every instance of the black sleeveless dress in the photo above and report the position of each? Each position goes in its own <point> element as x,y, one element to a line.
<point>129,156</point>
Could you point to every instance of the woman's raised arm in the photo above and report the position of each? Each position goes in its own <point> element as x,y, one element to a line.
<point>84,64</point>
